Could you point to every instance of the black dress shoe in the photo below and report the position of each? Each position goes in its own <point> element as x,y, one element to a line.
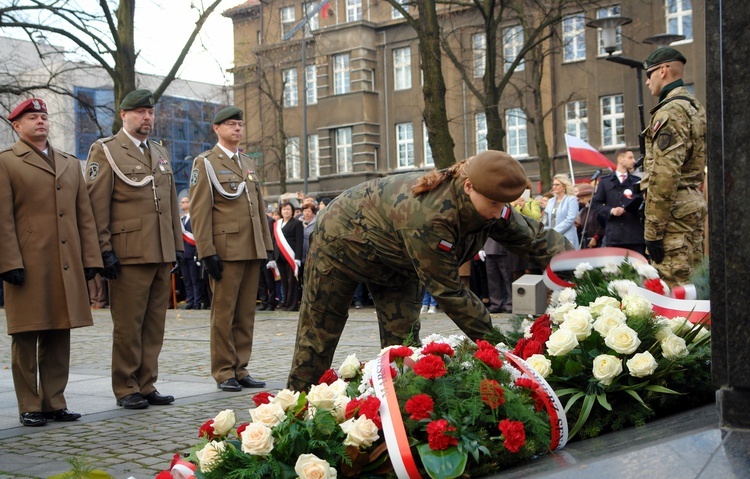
<point>230,385</point>
<point>156,399</point>
<point>62,415</point>
<point>262,307</point>
<point>133,401</point>
<point>249,382</point>
<point>33,419</point>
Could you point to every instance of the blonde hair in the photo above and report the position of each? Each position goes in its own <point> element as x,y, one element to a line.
<point>431,180</point>
<point>566,182</point>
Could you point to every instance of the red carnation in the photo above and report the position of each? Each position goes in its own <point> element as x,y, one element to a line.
<point>520,345</point>
<point>352,407</point>
<point>329,377</point>
<point>419,406</point>
<point>526,383</point>
<point>262,398</point>
<point>401,352</point>
<point>438,348</point>
<point>164,475</point>
<point>430,367</point>
<point>541,329</point>
<point>207,430</point>
<point>241,428</point>
<point>654,285</point>
<point>482,344</point>
<point>437,437</point>
<point>394,372</point>
<point>492,393</point>
<point>370,409</point>
<point>513,433</point>
<point>490,357</point>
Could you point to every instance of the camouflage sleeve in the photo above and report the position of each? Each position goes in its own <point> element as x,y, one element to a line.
<point>668,153</point>
<point>528,239</point>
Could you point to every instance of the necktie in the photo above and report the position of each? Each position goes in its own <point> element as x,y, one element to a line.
<point>144,149</point>
<point>236,160</point>
<point>622,177</point>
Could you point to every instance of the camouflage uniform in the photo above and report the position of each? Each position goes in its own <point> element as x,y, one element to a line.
<point>381,234</point>
<point>673,172</point>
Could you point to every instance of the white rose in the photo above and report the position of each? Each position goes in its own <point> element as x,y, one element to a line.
<point>558,314</point>
<point>578,321</point>
<point>645,270</point>
<point>310,466</point>
<point>611,268</point>
<point>561,342</point>
<point>635,305</point>
<point>581,269</point>
<point>606,368</point>
<point>620,287</point>
<point>641,365</point>
<point>679,325</point>
<point>567,295</point>
<point>360,432</point>
<point>673,346</point>
<point>350,367</point>
<point>339,408</point>
<point>602,302</point>
<point>257,439</point>
<point>270,414</point>
<point>609,318</point>
<point>208,455</point>
<point>224,422</point>
<point>540,364</point>
<point>322,396</point>
<point>622,339</point>
<point>286,398</point>
<point>702,333</point>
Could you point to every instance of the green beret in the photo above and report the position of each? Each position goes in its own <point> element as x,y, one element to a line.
<point>663,55</point>
<point>496,175</point>
<point>228,113</point>
<point>137,99</point>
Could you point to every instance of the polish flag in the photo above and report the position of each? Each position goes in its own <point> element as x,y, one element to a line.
<point>582,152</point>
<point>327,10</point>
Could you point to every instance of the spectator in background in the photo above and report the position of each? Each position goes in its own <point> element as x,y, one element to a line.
<point>289,235</point>
<point>589,228</point>
<point>309,210</point>
<point>530,208</point>
<point>267,282</point>
<point>323,203</point>
<point>429,305</point>
<point>562,209</point>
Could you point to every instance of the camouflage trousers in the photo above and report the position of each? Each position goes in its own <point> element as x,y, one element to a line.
<point>326,298</point>
<point>683,238</point>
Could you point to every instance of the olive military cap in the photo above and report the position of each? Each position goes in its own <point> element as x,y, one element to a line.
<point>138,99</point>
<point>228,113</point>
<point>663,55</point>
<point>496,175</point>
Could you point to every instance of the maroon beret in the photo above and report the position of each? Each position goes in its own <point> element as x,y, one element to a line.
<point>31,105</point>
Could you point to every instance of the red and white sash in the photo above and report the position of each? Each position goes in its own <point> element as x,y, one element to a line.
<point>284,247</point>
<point>187,236</point>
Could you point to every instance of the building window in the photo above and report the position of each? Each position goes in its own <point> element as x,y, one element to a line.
<point>405,145</point>
<point>287,20</point>
<point>344,157</point>
<point>341,74</point>
<point>679,15</point>
<point>515,132</point>
<point>291,96</point>
<point>512,46</point>
<point>311,84</point>
<point>576,120</point>
<point>574,38</point>
<point>480,125</point>
<point>395,13</point>
<point>292,158</point>
<point>353,10</point>
<point>428,159</point>
<point>613,121</point>
<point>479,53</point>
<point>313,22</point>
<point>313,156</point>
<point>402,68</point>
<point>613,11</point>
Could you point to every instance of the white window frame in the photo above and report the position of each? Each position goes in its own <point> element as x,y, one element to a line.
<point>286,17</point>
<point>616,119</point>
<point>291,90</point>
<point>395,14</point>
<point>293,167</point>
<point>677,17</point>
<point>611,11</point>
<point>313,156</point>
<point>479,53</point>
<point>513,39</point>
<point>344,153</point>
<point>402,68</point>
<point>576,119</point>
<point>405,145</point>
<point>516,133</point>
<point>574,38</point>
<point>311,84</point>
<point>341,83</point>
<point>480,132</point>
<point>314,22</point>
<point>353,10</point>
<point>428,159</point>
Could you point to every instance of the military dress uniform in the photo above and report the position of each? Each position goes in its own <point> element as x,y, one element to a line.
<point>226,211</point>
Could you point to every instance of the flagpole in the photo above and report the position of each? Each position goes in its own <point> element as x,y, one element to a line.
<point>570,161</point>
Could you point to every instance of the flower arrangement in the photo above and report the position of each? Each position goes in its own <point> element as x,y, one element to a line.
<point>616,360</point>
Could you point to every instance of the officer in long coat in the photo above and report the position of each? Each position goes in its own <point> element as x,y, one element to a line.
<point>396,232</point>
<point>49,250</point>
<point>133,196</point>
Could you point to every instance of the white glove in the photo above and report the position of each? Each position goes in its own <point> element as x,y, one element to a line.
<point>298,263</point>
<point>482,255</point>
<point>271,264</point>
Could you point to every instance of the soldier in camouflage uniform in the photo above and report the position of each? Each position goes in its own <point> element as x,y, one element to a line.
<point>674,170</point>
<point>397,232</point>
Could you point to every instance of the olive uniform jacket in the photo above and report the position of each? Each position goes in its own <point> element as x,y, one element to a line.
<point>228,221</point>
<point>140,224</point>
<point>47,229</point>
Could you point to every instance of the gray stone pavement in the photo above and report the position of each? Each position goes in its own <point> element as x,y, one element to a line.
<point>141,443</point>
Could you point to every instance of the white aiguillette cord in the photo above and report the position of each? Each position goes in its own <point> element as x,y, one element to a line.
<point>128,181</point>
<point>217,185</point>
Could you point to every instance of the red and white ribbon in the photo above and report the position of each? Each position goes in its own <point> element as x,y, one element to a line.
<point>187,236</point>
<point>596,257</point>
<point>183,470</point>
<point>693,310</point>
<point>285,247</point>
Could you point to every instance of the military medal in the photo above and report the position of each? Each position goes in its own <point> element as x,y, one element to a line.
<point>233,185</point>
<point>250,175</point>
<point>161,167</point>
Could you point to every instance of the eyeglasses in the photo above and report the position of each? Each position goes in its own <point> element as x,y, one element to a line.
<point>649,72</point>
<point>232,124</point>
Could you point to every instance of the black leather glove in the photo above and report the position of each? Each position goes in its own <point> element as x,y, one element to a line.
<point>656,250</point>
<point>112,265</point>
<point>213,266</point>
<point>14,276</point>
<point>90,273</point>
<point>177,262</point>
<point>179,256</point>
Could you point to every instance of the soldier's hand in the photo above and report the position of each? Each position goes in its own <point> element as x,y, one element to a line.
<point>482,255</point>
<point>213,266</point>
<point>656,250</point>
<point>90,273</point>
<point>298,263</point>
<point>271,264</point>
<point>112,265</point>
<point>15,276</point>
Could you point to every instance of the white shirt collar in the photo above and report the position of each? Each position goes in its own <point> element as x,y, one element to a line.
<point>135,140</point>
<point>229,153</point>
